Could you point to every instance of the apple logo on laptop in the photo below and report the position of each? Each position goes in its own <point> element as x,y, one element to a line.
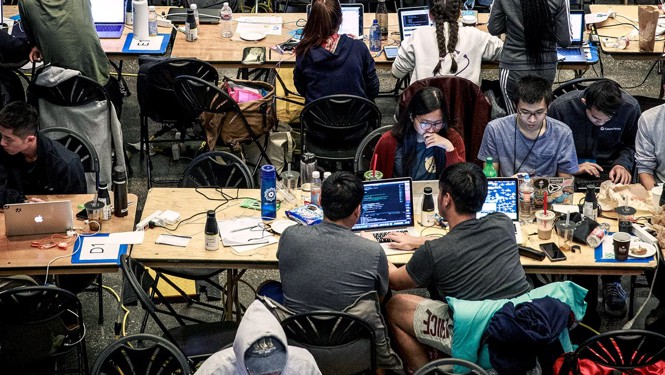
<point>39,219</point>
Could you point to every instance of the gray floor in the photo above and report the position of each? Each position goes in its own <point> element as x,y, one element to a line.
<point>629,74</point>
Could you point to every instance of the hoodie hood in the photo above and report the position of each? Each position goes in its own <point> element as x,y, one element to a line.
<point>258,322</point>
<point>324,58</point>
<point>53,75</point>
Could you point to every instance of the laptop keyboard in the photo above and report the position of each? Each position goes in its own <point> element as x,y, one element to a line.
<point>108,28</point>
<point>380,236</point>
<point>569,51</point>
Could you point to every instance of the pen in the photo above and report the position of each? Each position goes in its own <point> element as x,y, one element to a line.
<point>252,243</point>
<point>243,228</point>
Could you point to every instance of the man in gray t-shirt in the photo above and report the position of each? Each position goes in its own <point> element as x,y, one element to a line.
<point>529,141</point>
<point>327,266</point>
<point>478,259</point>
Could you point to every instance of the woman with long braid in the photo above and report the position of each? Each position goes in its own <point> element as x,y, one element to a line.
<point>461,50</point>
<point>533,29</point>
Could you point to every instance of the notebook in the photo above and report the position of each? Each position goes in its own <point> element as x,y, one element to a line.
<point>38,218</point>
<point>575,52</point>
<point>502,196</point>
<point>387,206</point>
<point>352,19</point>
<point>109,17</point>
<point>206,15</point>
<point>411,19</point>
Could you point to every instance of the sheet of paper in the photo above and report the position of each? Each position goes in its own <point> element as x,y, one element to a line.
<point>168,239</point>
<point>129,238</point>
<point>153,43</point>
<point>265,25</point>
<point>244,232</point>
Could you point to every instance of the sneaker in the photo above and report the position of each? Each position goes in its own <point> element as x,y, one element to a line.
<point>615,299</point>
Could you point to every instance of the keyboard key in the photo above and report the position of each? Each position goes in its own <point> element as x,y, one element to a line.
<point>380,236</point>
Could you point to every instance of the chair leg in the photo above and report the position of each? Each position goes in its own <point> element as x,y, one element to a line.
<point>100,296</point>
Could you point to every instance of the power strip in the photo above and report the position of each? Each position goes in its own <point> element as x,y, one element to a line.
<point>163,22</point>
<point>644,235</point>
<point>143,224</point>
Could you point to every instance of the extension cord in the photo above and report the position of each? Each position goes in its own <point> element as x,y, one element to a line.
<point>144,224</point>
<point>163,22</point>
<point>644,235</point>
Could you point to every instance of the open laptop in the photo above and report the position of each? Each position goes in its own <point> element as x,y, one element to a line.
<point>575,52</point>
<point>109,17</point>
<point>38,218</point>
<point>502,196</point>
<point>352,19</point>
<point>411,19</point>
<point>386,207</point>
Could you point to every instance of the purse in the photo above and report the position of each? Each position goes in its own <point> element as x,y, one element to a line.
<point>583,226</point>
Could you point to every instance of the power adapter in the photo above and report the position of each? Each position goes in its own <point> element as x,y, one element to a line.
<point>163,22</point>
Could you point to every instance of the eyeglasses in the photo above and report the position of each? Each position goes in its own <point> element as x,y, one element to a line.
<point>265,229</point>
<point>427,125</point>
<point>527,114</point>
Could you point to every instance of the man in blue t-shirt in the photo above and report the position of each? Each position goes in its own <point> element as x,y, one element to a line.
<point>529,141</point>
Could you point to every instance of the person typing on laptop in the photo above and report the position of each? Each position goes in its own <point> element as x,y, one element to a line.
<point>603,119</point>
<point>478,259</point>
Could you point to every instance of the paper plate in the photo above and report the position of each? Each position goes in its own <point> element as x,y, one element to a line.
<point>252,36</point>
<point>651,250</point>
<point>280,225</point>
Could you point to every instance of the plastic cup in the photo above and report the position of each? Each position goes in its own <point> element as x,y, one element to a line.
<point>656,193</point>
<point>545,223</point>
<point>94,211</point>
<point>621,242</point>
<point>290,180</point>
<point>565,232</point>
<point>377,175</point>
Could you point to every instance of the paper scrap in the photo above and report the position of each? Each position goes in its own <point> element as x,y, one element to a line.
<point>265,25</point>
<point>129,238</point>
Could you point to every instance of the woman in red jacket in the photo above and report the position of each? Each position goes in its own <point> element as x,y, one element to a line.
<point>420,145</point>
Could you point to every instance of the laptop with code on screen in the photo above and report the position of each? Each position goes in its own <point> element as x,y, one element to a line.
<point>387,206</point>
<point>109,17</point>
<point>575,52</point>
<point>502,196</point>
<point>411,19</point>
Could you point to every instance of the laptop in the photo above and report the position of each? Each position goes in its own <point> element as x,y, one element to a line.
<point>411,19</point>
<point>386,207</point>
<point>178,16</point>
<point>38,218</point>
<point>575,52</point>
<point>352,19</point>
<point>502,196</point>
<point>109,18</point>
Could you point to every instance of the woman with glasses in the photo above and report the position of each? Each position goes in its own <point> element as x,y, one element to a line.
<point>420,145</point>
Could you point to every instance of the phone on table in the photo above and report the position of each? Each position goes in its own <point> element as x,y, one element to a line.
<point>391,52</point>
<point>552,251</point>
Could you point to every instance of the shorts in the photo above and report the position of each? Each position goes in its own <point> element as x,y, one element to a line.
<point>433,325</point>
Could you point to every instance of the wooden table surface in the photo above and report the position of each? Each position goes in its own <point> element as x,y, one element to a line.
<point>188,202</point>
<point>18,257</point>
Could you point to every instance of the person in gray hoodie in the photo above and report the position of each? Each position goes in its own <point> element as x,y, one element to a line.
<point>260,348</point>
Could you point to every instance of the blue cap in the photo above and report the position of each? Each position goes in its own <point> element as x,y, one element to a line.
<point>268,171</point>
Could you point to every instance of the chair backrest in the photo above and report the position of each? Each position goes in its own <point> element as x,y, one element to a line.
<point>154,86</point>
<point>11,87</point>
<point>435,367</point>
<point>217,169</point>
<point>340,343</point>
<point>39,323</point>
<point>79,145</point>
<point>468,109</point>
<point>574,85</point>
<point>141,354</point>
<point>332,127</point>
<point>201,96</point>
<point>365,151</point>
<point>622,349</point>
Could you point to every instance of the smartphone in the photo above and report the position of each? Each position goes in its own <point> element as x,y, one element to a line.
<point>82,215</point>
<point>552,251</point>
<point>391,52</point>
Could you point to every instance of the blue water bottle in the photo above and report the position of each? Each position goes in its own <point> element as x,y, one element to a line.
<point>268,192</point>
<point>375,37</point>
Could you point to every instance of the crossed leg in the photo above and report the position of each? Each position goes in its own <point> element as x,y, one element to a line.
<point>400,311</point>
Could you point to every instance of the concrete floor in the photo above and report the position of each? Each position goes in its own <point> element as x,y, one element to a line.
<point>629,74</point>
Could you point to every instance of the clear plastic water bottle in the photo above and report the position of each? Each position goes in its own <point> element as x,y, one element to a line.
<point>526,200</point>
<point>375,37</point>
<point>316,188</point>
<point>152,21</point>
<point>268,192</point>
<point>226,17</point>
<point>326,175</point>
<point>194,9</point>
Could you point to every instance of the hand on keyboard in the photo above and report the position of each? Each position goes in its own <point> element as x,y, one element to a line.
<point>404,241</point>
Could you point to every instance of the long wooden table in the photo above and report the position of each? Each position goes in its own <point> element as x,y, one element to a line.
<point>17,256</point>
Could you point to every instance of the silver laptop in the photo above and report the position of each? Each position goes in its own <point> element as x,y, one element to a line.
<point>109,17</point>
<point>502,196</point>
<point>387,207</point>
<point>352,19</point>
<point>575,52</point>
<point>411,19</point>
<point>38,218</point>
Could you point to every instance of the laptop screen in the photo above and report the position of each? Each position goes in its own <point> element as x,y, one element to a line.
<point>352,19</point>
<point>501,197</point>
<point>386,204</point>
<point>108,11</point>
<point>411,19</point>
<point>577,24</point>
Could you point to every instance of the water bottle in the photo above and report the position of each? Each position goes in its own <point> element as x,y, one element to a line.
<point>382,17</point>
<point>427,212</point>
<point>119,191</point>
<point>590,208</point>
<point>152,21</point>
<point>526,200</point>
<point>196,15</point>
<point>268,192</point>
<point>226,17</point>
<point>129,12</point>
<point>326,175</point>
<point>375,37</point>
<point>191,31</point>
<point>140,19</point>
<point>211,232</point>
<point>103,195</point>
<point>488,169</point>
<point>307,166</point>
<point>316,188</point>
